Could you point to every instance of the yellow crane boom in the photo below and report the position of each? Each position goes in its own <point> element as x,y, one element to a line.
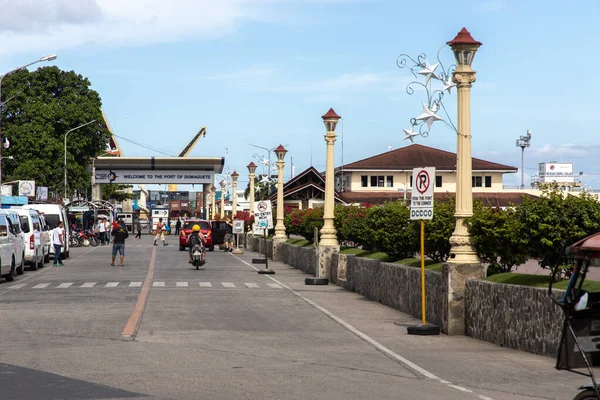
<point>187,150</point>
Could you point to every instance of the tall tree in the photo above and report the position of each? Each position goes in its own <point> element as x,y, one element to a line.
<point>41,106</point>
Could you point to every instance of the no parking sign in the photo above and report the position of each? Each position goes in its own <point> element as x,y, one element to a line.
<point>421,201</point>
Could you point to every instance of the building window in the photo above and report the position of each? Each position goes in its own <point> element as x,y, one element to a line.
<point>476,181</point>
<point>390,181</point>
<point>364,181</point>
<point>377,181</point>
<point>373,181</point>
<point>438,181</point>
<point>488,181</point>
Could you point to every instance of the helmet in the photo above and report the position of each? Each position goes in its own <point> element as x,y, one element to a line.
<point>196,228</point>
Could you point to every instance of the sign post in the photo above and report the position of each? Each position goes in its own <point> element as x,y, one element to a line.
<point>316,280</point>
<point>238,228</point>
<point>421,208</point>
<point>263,216</point>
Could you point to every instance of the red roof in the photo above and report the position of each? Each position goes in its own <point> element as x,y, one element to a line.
<point>464,37</point>
<point>331,115</point>
<point>235,174</point>
<point>280,148</point>
<point>417,155</point>
<point>251,165</point>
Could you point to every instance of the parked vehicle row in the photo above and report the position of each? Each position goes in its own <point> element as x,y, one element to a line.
<point>26,237</point>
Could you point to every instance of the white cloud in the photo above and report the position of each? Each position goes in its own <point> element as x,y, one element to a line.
<point>566,150</point>
<point>50,25</point>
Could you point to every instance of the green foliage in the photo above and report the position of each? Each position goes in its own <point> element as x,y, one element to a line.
<point>117,192</point>
<point>304,222</point>
<point>262,191</point>
<point>439,229</point>
<point>499,237</point>
<point>512,278</point>
<point>390,228</point>
<point>351,223</point>
<point>45,104</point>
<point>554,221</point>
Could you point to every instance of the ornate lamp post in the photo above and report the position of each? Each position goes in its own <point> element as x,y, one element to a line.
<point>213,196</point>
<point>523,142</point>
<point>251,170</point>
<point>234,178</point>
<point>280,236</point>
<point>222,212</point>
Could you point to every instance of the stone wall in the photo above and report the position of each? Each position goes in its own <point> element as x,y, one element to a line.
<point>518,317</point>
<point>394,285</point>
<point>256,243</point>
<point>303,258</point>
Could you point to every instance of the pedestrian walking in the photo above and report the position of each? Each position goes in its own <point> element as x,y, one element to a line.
<point>58,240</point>
<point>119,235</point>
<point>160,232</point>
<point>101,226</point>
<point>229,235</point>
<point>138,226</point>
<point>178,226</point>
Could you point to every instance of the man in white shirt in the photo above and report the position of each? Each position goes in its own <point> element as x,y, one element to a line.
<point>58,239</point>
<point>102,231</point>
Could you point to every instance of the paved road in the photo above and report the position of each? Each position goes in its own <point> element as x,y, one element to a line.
<point>227,332</point>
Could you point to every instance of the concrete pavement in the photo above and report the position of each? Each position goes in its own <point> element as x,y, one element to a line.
<point>227,332</point>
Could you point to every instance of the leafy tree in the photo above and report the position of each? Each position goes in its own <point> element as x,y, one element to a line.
<point>499,237</point>
<point>45,104</point>
<point>439,229</point>
<point>391,229</point>
<point>117,192</point>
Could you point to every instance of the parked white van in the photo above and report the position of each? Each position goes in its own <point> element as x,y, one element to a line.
<point>12,249</point>
<point>53,213</point>
<point>32,230</point>
<point>15,222</point>
<point>46,239</point>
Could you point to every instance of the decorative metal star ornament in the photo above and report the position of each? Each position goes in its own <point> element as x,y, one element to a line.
<point>410,134</point>
<point>265,161</point>
<point>448,84</point>
<point>429,116</point>
<point>265,180</point>
<point>429,72</point>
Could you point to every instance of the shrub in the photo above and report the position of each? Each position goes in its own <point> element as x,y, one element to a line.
<point>303,222</point>
<point>390,228</point>
<point>352,226</point>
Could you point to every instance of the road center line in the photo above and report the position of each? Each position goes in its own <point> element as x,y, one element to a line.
<point>133,323</point>
<point>390,353</point>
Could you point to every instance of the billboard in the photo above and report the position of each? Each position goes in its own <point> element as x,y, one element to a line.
<point>556,172</point>
<point>154,177</point>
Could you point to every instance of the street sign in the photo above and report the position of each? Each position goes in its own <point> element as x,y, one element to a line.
<point>263,214</point>
<point>421,202</point>
<point>238,226</point>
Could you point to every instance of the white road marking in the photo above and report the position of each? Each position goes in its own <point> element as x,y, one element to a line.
<point>158,284</point>
<point>17,286</point>
<point>484,397</point>
<point>112,284</point>
<point>181,284</point>
<point>41,285</point>
<point>251,285</point>
<point>228,284</point>
<point>135,284</point>
<point>274,286</point>
<point>205,284</point>
<point>88,284</point>
<point>407,363</point>
<point>64,285</point>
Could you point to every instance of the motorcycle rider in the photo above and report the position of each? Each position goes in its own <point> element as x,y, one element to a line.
<point>196,238</point>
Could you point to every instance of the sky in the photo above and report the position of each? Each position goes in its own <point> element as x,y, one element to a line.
<point>263,72</point>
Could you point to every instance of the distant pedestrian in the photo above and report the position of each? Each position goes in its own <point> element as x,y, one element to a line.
<point>138,226</point>
<point>178,226</point>
<point>229,235</point>
<point>119,235</point>
<point>101,231</point>
<point>58,240</point>
<point>160,232</point>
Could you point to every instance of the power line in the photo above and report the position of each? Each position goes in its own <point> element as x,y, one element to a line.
<point>144,146</point>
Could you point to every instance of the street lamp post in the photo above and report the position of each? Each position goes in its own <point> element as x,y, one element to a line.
<point>66,135</point>
<point>50,57</point>
<point>234,179</point>
<point>251,170</point>
<point>523,142</point>
<point>280,236</point>
<point>213,191</point>
<point>223,200</point>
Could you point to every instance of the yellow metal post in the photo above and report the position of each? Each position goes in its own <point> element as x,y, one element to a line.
<point>424,320</point>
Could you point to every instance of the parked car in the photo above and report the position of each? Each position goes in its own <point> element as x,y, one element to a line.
<point>34,241</point>
<point>8,247</point>
<point>219,229</point>
<point>18,239</point>
<point>46,239</point>
<point>53,213</point>
<point>186,230</point>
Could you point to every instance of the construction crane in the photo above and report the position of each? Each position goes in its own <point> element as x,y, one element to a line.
<point>187,150</point>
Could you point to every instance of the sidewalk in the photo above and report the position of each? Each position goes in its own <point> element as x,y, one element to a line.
<point>488,371</point>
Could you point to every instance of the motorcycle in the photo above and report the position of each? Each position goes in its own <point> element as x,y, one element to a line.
<point>197,260</point>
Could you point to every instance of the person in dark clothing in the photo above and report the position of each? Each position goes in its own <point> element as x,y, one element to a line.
<point>138,226</point>
<point>229,235</point>
<point>119,235</point>
<point>178,226</point>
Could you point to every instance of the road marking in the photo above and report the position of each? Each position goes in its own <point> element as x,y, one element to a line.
<point>205,284</point>
<point>181,284</point>
<point>112,284</point>
<point>390,353</point>
<point>484,397</point>
<point>88,284</point>
<point>64,285</point>
<point>133,323</point>
<point>274,285</point>
<point>251,285</point>
<point>158,284</point>
<point>135,284</point>
<point>17,286</point>
<point>228,284</point>
<point>41,286</point>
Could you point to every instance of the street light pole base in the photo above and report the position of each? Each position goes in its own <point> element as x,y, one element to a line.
<point>423,330</point>
<point>316,281</point>
<point>237,251</point>
<point>266,272</point>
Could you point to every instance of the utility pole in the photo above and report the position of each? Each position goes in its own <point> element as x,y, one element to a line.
<point>523,142</point>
